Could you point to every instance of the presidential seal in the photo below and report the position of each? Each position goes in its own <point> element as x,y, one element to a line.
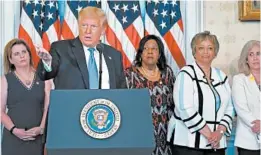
<point>100,118</point>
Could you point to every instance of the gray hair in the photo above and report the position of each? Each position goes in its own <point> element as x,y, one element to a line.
<point>206,35</point>
<point>242,62</point>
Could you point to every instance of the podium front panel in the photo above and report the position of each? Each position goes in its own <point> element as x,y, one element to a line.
<point>65,133</point>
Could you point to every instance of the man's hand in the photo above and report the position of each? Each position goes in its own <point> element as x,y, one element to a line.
<point>43,54</point>
<point>256,126</point>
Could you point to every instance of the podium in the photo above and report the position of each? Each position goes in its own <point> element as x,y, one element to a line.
<point>65,130</point>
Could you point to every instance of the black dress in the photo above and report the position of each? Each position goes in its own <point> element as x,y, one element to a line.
<point>25,108</point>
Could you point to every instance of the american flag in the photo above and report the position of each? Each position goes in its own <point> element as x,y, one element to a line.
<point>39,24</point>
<point>125,27</point>
<point>127,24</point>
<point>163,18</point>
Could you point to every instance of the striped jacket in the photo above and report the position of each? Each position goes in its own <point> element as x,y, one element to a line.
<point>198,104</point>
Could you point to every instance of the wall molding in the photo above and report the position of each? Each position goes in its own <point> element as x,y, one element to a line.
<point>10,19</point>
<point>194,23</point>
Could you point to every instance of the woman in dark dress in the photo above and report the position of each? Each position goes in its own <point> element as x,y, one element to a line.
<point>150,70</point>
<point>24,102</point>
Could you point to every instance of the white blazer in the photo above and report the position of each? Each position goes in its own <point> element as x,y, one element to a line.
<point>197,105</point>
<point>246,96</point>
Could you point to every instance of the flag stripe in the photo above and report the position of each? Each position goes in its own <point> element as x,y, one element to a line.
<point>24,35</point>
<point>180,23</point>
<point>66,31</point>
<point>46,42</point>
<point>133,36</point>
<point>28,26</point>
<point>174,49</point>
<point>117,45</point>
<point>70,24</point>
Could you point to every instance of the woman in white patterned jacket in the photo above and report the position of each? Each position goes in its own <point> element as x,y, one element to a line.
<point>203,103</point>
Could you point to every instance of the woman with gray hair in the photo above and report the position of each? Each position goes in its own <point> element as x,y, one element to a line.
<point>246,96</point>
<point>203,102</point>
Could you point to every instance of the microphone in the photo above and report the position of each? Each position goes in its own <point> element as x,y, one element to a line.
<point>100,48</point>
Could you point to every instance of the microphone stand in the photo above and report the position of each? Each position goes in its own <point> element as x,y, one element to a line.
<point>100,49</point>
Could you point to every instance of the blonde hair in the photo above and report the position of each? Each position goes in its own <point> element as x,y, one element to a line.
<point>206,35</point>
<point>90,11</point>
<point>8,66</point>
<point>242,62</point>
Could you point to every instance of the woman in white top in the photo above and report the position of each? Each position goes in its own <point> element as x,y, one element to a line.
<point>246,95</point>
<point>203,102</point>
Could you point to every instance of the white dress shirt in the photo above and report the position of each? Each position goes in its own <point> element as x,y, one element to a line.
<point>105,73</point>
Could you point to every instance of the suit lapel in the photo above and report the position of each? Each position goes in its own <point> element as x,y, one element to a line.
<point>78,52</point>
<point>252,85</point>
<point>109,63</point>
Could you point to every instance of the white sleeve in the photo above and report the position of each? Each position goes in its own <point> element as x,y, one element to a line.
<point>171,127</point>
<point>240,101</point>
<point>183,99</point>
<point>227,119</point>
<point>47,67</point>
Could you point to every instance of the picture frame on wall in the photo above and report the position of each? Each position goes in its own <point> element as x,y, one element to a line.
<point>249,10</point>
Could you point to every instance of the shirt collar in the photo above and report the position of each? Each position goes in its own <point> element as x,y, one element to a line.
<point>86,48</point>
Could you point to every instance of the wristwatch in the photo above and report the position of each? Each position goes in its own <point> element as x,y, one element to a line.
<point>221,131</point>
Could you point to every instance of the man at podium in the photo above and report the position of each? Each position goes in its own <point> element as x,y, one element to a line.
<point>83,62</point>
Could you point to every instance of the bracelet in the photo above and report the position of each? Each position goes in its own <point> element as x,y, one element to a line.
<point>221,131</point>
<point>12,129</point>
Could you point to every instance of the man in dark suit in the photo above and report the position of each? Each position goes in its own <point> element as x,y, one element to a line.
<point>80,63</point>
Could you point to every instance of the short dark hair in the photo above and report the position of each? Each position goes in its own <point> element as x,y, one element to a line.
<point>162,59</point>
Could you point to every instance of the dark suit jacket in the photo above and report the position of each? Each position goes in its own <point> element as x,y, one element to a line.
<point>69,68</point>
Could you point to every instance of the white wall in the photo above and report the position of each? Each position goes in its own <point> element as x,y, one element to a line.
<point>9,15</point>
<point>221,18</point>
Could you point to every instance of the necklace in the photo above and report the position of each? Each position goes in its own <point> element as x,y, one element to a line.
<point>26,80</point>
<point>154,74</point>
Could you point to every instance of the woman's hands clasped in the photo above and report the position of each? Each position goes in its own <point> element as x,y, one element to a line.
<point>27,135</point>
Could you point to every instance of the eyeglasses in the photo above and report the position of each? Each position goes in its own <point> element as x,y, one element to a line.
<point>153,49</point>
